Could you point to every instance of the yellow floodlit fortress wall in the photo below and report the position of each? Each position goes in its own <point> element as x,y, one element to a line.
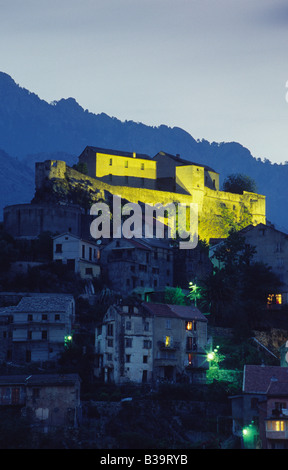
<point>162,179</point>
<point>120,168</point>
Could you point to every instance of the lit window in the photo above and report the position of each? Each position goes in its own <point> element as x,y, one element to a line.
<point>189,325</point>
<point>279,426</point>
<point>167,341</point>
<point>190,359</point>
<point>276,426</point>
<point>274,299</point>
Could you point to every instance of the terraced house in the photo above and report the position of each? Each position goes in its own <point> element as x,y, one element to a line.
<point>151,343</point>
<point>36,329</point>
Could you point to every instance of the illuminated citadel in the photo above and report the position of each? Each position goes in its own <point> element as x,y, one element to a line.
<point>162,179</point>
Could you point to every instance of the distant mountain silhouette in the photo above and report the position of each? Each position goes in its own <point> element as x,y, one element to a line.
<point>33,130</point>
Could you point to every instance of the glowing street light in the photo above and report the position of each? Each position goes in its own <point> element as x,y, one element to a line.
<point>67,340</point>
<point>211,356</point>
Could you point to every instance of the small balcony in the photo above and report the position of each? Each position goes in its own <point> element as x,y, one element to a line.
<point>277,428</point>
<point>168,346</point>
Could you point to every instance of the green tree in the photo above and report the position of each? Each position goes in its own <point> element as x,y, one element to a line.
<point>237,183</point>
<point>237,290</point>
<point>195,293</point>
<point>175,295</point>
<point>8,251</point>
<point>81,167</point>
<point>223,221</point>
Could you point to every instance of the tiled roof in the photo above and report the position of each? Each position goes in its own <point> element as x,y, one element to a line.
<point>257,379</point>
<point>72,235</point>
<point>142,243</point>
<point>119,153</point>
<point>277,388</point>
<point>182,162</point>
<point>262,226</point>
<point>48,303</point>
<point>184,312</point>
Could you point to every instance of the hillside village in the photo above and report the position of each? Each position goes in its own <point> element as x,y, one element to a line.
<point>126,343</point>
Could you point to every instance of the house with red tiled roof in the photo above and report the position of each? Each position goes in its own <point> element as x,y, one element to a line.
<point>151,343</point>
<point>263,403</point>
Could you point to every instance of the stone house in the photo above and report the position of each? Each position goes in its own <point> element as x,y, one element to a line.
<point>274,419</point>
<point>262,407</point>
<point>82,256</point>
<point>138,265</point>
<point>180,342</point>
<point>271,249</point>
<point>151,343</point>
<point>123,345</point>
<point>37,328</point>
<point>47,400</point>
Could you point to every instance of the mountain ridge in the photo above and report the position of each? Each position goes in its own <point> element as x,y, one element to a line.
<point>32,129</point>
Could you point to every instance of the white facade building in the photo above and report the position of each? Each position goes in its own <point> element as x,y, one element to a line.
<point>81,255</point>
<point>151,342</point>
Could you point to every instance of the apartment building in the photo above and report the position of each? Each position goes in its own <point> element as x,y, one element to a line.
<point>37,329</point>
<point>137,265</point>
<point>151,343</point>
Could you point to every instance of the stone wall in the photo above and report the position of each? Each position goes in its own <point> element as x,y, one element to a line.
<point>31,219</point>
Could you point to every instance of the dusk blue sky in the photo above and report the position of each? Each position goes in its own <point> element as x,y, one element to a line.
<point>216,68</point>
